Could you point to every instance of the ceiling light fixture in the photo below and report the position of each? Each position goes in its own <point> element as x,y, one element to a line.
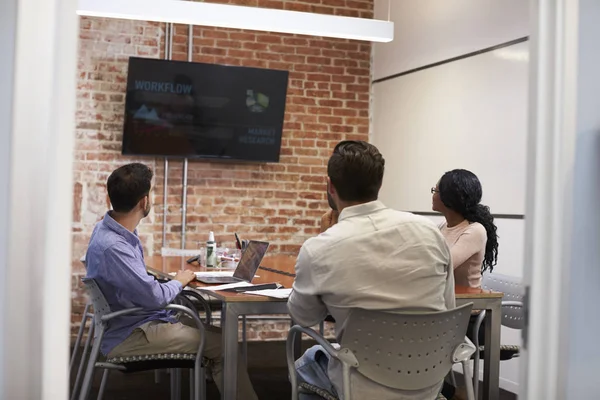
<point>241,17</point>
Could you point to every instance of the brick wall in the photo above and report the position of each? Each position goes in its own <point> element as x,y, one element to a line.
<point>328,101</point>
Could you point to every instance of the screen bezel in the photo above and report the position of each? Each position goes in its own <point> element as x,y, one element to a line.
<point>191,156</point>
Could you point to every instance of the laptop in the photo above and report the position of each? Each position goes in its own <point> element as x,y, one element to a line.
<point>246,269</point>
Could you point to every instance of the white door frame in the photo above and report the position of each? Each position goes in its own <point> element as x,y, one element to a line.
<point>562,231</point>
<point>35,228</point>
<point>37,106</point>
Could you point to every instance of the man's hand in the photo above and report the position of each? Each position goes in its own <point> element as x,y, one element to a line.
<point>329,219</point>
<point>185,277</point>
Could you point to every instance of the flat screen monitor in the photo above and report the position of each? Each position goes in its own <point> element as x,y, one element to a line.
<point>197,110</point>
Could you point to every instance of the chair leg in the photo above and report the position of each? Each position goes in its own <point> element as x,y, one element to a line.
<point>89,372</point>
<point>173,384</point>
<point>82,363</point>
<point>322,328</point>
<point>453,378</point>
<point>346,377</point>
<point>244,342</point>
<point>176,384</point>
<point>200,383</point>
<point>192,384</point>
<point>290,346</point>
<point>157,376</point>
<point>468,380</point>
<point>476,375</point>
<point>178,377</point>
<point>79,336</point>
<point>103,384</point>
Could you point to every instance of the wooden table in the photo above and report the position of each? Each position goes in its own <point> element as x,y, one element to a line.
<point>235,305</point>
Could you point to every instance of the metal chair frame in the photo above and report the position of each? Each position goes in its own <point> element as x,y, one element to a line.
<point>103,315</point>
<point>435,339</point>
<point>512,312</point>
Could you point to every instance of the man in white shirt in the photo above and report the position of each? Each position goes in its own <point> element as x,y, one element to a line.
<point>374,258</point>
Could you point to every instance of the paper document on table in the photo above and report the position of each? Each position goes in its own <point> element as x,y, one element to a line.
<point>276,293</point>
<point>227,286</point>
<point>207,274</point>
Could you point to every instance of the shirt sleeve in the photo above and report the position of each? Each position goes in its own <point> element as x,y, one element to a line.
<point>470,242</point>
<point>128,275</point>
<point>305,304</point>
<point>449,292</point>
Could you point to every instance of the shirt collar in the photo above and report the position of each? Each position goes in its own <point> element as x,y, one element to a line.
<point>361,209</point>
<point>116,227</point>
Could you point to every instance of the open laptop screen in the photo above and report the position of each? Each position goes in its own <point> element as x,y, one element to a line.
<point>250,260</point>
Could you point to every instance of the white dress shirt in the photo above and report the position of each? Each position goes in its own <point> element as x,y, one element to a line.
<point>374,258</point>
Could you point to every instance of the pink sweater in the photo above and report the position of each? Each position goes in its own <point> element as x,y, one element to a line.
<point>467,245</point>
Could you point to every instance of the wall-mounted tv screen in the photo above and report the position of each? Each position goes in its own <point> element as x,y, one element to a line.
<point>196,110</point>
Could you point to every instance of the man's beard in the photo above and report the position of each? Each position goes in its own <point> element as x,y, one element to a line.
<point>331,203</point>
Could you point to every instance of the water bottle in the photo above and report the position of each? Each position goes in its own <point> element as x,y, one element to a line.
<point>211,251</point>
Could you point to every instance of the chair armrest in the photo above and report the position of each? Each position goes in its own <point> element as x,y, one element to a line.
<point>190,313</point>
<point>512,304</point>
<point>194,316</point>
<point>344,355</point>
<point>463,351</point>
<point>293,335</point>
<point>481,317</point>
<point>202,301</point>
<point>476,328</point>
<point>199,325</point>
<point>120,313</point>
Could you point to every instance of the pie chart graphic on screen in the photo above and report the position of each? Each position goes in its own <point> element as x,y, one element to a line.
<point>256,101</point>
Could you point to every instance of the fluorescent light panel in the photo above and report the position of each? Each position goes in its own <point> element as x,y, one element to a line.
<point>240,17</point>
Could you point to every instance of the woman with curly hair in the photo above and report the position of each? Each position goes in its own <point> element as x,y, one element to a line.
<point>469,228</point>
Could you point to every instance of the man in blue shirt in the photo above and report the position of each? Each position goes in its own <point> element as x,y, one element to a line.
<point>115,259</point>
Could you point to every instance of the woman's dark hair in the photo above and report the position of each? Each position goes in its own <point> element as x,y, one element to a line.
<point>460,191</point>
<point>127,185</point>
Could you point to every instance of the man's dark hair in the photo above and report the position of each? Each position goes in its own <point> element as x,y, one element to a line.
<point>127,185</point>
<point>356,170</point>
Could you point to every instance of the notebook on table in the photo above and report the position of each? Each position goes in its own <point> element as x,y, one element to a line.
<point>246,268</point>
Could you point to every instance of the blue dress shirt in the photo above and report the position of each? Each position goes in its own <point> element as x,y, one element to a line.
<point>115,259</point>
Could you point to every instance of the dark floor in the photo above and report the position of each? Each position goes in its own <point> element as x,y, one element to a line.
<point>269,383</point>
<point>266,363</point>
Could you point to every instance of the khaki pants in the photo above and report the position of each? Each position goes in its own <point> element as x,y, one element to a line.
<point>162,337</point>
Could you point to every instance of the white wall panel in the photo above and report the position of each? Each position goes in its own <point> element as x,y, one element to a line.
<point>429,31</point>
<point>471,114</point>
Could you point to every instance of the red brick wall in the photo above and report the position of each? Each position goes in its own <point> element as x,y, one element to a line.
<point>328,101</point>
